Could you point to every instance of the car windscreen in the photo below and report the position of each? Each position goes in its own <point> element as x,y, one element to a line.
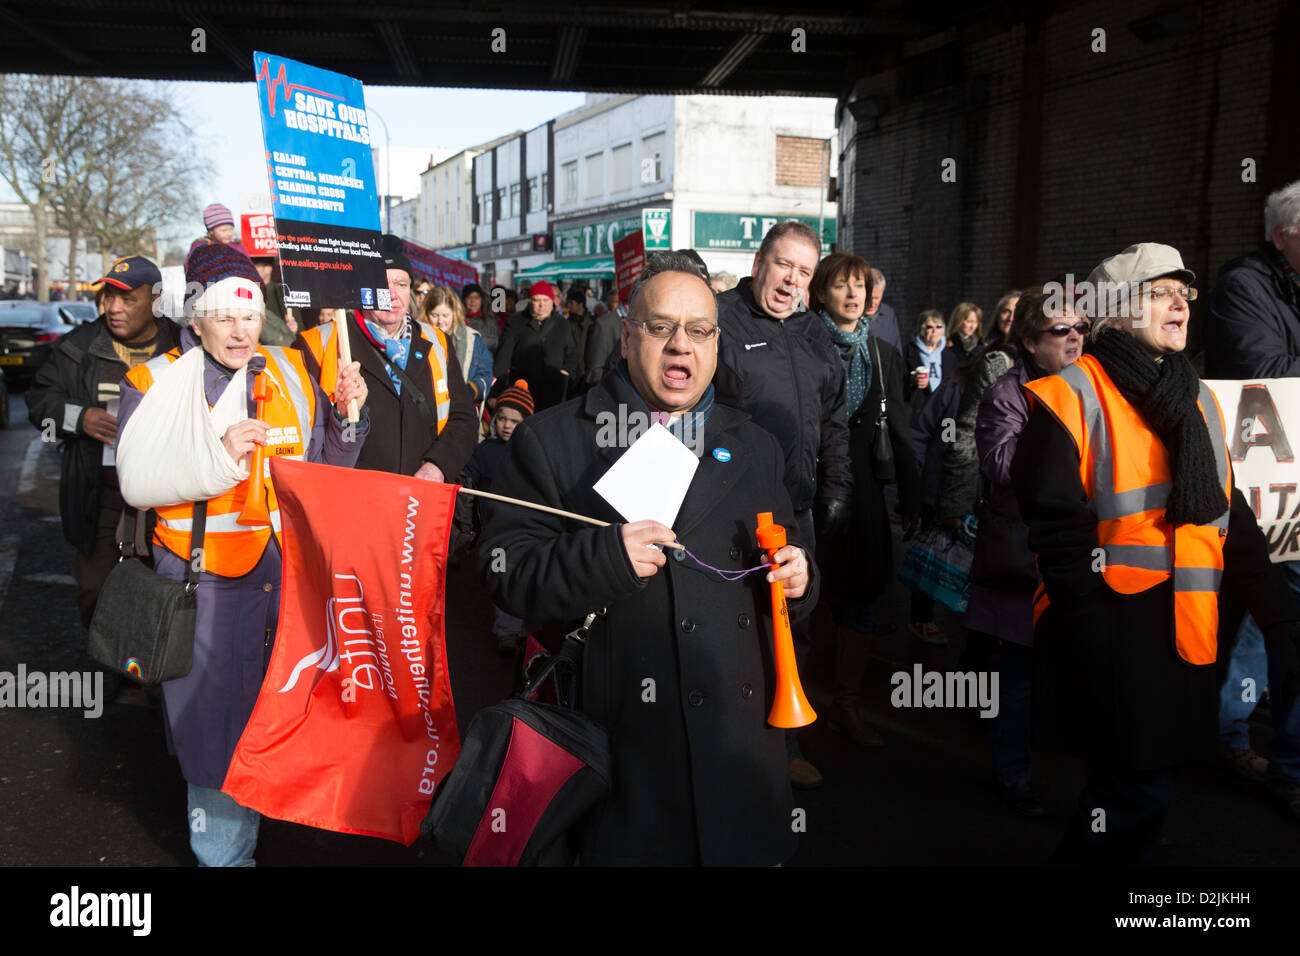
<point>78,313</point>
<point>23,315</point>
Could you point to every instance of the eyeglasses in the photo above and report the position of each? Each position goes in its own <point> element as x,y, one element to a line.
<point>1164,292</point>
<point>698,332</point>
<point>420,293</point>
<point>1061,330</point>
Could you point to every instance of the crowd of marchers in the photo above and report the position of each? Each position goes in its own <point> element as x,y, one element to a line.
<point>1052,428</point>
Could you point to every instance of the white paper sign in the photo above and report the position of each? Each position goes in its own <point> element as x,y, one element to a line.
<point>649,482</point>
<point>1262,422</point>
<point>109,457</point>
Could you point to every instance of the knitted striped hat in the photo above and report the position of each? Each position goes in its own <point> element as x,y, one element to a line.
<point>218,263</point>
<point>217,215</point>
<point>518,398</point>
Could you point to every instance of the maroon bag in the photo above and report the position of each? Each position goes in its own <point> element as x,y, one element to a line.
<point>527,772</point>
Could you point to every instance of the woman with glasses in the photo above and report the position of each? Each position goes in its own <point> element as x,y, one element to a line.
<point>419,292</point>
<point>1043,339</point>
<point>1123,477</point>
<point>238,590</point>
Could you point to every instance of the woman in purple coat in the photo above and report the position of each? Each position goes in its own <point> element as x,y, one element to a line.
<point>236,618</point>
<point>1042,341</point>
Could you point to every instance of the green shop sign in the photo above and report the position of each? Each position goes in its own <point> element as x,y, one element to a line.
<point>594,238</point>
<point>744,232</point>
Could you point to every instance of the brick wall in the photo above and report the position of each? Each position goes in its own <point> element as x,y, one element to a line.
<point>1144,142</point>
<point>800,161</point>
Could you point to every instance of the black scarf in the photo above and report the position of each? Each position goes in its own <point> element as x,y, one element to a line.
<point>1165,393</point>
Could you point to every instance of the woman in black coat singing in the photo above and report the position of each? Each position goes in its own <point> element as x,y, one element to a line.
<point>859,561</point>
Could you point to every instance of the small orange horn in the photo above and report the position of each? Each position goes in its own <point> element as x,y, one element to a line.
<point>790,708</point>
<point>255,511</point>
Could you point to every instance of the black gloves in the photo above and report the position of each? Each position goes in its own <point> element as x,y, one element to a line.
<point>1284,641</point>
<point>831,517</point>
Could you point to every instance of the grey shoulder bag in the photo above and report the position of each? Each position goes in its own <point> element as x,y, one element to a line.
<point>143,626</point>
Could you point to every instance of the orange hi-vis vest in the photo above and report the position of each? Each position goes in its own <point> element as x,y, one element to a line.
<point>318,340</point>
<point>1124,467</point>
<point>231,549</point>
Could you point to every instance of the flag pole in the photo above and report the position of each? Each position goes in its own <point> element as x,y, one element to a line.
<point>554,511</point>
<point>345,356</point>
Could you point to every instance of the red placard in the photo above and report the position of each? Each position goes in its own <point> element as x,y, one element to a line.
<point>629,260</point>
<point>257,230</point>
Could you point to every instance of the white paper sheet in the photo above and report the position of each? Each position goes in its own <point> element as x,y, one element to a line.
<point>649,482</point>
<point>109,456</point>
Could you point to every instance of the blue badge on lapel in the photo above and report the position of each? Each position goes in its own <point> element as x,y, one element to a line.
<point>419,355</point>
<point>722,454</point>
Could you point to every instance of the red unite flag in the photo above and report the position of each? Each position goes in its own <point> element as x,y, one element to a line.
<point>354,727</point>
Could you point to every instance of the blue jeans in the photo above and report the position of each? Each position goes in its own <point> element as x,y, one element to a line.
<point>224,833</point>
<point>1251,658</point>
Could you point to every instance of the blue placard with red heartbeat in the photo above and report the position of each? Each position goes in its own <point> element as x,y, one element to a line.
<point>316,135</point>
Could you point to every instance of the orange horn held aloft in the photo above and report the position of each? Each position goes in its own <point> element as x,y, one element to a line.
<point>790,708</point>
<point>255,511</point>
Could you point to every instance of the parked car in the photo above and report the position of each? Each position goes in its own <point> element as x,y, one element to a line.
<point>28,331</point>
<point>78,313</point>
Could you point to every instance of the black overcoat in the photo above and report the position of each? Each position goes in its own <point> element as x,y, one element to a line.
<point>70,377</point>
<point>858,564</point>
<point>680,669</point>
<point>400,439</point>
<point>1108,682</point>
<point>540,357</point>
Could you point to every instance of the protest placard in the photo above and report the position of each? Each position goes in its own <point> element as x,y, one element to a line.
<point>257,225</point>
<point>629,260</point>
<point>317,144</point>
<point>1255,415</point>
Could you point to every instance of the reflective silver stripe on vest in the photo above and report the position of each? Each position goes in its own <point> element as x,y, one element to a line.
<point>157,365</point>
<point>1217,440</point>
<point>436,351</point>
<point>221,524</point>
<point>1197,579</point>
<point>1106,502</point>
<point>1109,504</point>
<point>1151,557</point>
<point>301,406</point>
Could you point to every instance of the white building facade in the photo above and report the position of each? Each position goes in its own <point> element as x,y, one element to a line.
<point>712,173</point>
<point>446,219</point>
<point>512,188</point>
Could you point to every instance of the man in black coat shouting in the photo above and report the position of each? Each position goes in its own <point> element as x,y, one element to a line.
<point>680,668</point>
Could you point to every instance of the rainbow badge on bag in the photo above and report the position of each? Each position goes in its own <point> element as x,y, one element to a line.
<point>133,668</point>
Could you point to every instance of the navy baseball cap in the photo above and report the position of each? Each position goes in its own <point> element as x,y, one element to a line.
<point>131,272</point>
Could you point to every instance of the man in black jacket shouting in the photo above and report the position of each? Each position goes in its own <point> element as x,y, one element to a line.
<point>75,396</point>
<point>776,361</point>
<point>676,669</point>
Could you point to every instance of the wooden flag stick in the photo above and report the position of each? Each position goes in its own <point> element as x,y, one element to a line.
<point>554,511</point>
<point>345,356</point>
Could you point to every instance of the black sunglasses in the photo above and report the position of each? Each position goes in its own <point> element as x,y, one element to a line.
<point>1062,330</point>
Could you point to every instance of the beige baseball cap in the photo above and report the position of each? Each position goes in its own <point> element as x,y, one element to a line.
<point>1141,263</point>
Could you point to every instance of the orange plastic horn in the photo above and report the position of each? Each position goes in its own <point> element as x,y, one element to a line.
<point>255,511</point>
<point>790,708</point>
